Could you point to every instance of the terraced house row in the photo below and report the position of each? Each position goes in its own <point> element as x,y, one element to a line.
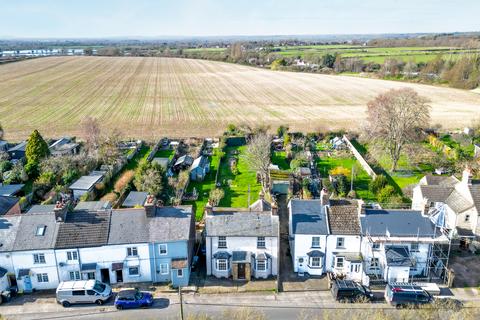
<point>50,244</point>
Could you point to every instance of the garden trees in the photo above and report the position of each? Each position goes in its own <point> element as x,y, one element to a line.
<point>36,150</point>
<point>257,156</point>
<point>216,195</point>
<point>108,151</point>
<point>149,178</point>
<point>91,132</point>
<point>395,118</point>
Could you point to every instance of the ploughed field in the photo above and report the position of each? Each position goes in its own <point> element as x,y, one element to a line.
<point>155,97</point>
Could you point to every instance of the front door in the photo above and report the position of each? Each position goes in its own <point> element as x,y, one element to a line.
<point>27,284</point>
<point>241,271</point>
<point>119,274</point>
<point>105,273</point>
<point>12,280</point>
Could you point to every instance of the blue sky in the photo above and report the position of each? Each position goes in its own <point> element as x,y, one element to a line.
<point>108,18</point>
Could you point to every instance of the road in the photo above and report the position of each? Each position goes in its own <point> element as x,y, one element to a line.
<point>288,305</point>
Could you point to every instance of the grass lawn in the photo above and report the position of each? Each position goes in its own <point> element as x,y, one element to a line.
<point>236,192</point>
<point>361,180</point>
<point>203,187</point>
<point>280,159</point>
<point>167,153</point>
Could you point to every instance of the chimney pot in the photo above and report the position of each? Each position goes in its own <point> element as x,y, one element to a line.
<point>150,206</point>
<point>274,208</point>
<point>361,208</point>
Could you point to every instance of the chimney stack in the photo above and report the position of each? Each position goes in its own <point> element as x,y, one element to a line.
<point>274,208</point>
<point>467,176</point>
<point>208,209</point>
<point>60,210</point>
<point>324,197</point>
<point>150,206</point>
<point>361,208</point>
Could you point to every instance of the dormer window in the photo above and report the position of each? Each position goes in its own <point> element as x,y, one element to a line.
<point>40,230</point>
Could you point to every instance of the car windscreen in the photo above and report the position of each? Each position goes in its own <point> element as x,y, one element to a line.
<point>99,287</point>
<point>138,295</point>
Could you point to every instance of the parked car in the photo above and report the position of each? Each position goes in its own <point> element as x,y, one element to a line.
<point>127,299</point>
<point>405,294</point>
<point>87,291</point>
<point>350,291</point>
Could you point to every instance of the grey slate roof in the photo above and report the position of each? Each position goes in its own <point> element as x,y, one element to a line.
<point>475,193</point>
<point>10,189</point>
<point>343,217</point>
<point>128,226</point>
<point>397,222</point>
<point>19,147</point>
<point>8,231</point>
<point>441,180</point>
<point>261,205</point>
<point>170,224</point>
<point>93,205</point>
<point>135,198</point>
<point>6,203</point>
<point>457,202</point>
<point>86,182</point>
<point>398,256</point>
<point>242,223</point>
<point>41,208</point>
<point>83,229</point>
<point>26,236</point>
<point>435,193</point>
<point>308,217</point>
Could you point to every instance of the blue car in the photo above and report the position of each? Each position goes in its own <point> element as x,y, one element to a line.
<point>127,299</point>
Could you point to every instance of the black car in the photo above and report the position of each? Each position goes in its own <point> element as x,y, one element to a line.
<point>402,295</point>
<point>350,291</point>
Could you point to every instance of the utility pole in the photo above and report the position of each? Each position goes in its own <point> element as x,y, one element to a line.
<point>351,180</point>
<point>181,302</point>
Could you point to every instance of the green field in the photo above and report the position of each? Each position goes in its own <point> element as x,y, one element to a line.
<point>374,54</point>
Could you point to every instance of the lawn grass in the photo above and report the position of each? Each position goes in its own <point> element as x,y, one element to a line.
<point>236,192</point>
<point>361,180</point>
<point>204,187</point>
<point>166,153</point>
<point>279,158</point>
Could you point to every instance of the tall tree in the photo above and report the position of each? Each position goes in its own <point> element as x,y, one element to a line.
<point>394,119</point>
<point>36,150</point>
<point>257,156</point>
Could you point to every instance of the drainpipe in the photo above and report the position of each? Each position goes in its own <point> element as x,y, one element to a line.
<point>154,278</point>
<point>210,258</point>
<point>56,264</point>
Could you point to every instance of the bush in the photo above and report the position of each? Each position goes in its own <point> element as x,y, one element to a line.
<point>5,166</point>
<point>385,195</point>
<point>340,171</point>
<point>378,184</point>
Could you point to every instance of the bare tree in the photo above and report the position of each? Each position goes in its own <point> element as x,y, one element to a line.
<point>394,119</point>
<point>216,195</point>
<point>108,151</point>
<point>91,133</point>
<point>257,156</point>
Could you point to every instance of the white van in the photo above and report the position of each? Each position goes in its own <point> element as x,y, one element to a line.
<point>87,291</point>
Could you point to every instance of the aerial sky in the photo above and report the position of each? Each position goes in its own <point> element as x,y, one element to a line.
<point>149,18</point>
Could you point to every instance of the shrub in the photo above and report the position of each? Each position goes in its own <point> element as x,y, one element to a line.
<point>385,195</point>
<point>5,166</point>
<point>340,171</point>
<point>378,184</point>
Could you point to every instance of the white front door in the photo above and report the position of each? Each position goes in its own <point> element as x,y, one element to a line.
<point>302,263</point>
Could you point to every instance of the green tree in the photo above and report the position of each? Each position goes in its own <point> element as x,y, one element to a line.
<point>378,183</point>
<point>36,150</point>
<point>282,130</point>
<point>149,178</point>
<point>385,194</point>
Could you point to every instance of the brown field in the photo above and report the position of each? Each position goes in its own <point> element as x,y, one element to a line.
<point>154,97</point>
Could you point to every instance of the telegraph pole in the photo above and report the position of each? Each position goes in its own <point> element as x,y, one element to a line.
<point>181,302</point>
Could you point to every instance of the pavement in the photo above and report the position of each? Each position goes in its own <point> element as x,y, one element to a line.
<point>285,305</point>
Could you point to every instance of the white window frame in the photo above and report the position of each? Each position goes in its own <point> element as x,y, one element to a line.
<point>262,263</point>
<point>87,275</point>
<point>314,241</point>
<point>313,264</point>
<point>160,246</point>
<point>40,230</point>
<point>132,252</point>
<point>134,274</point>
<point>222,261</point>
<point>261,242</point>
<point>222,242</point>
<point>355,267</point>
<point>42,277</point>
<point>340,243</point>
<point>74,275</point>
<point>179,273</point>
<point>72,255</point>
<point>375,246</point>
<point>337,260</point>
<point>165,270</point>
<point>39,258</point>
